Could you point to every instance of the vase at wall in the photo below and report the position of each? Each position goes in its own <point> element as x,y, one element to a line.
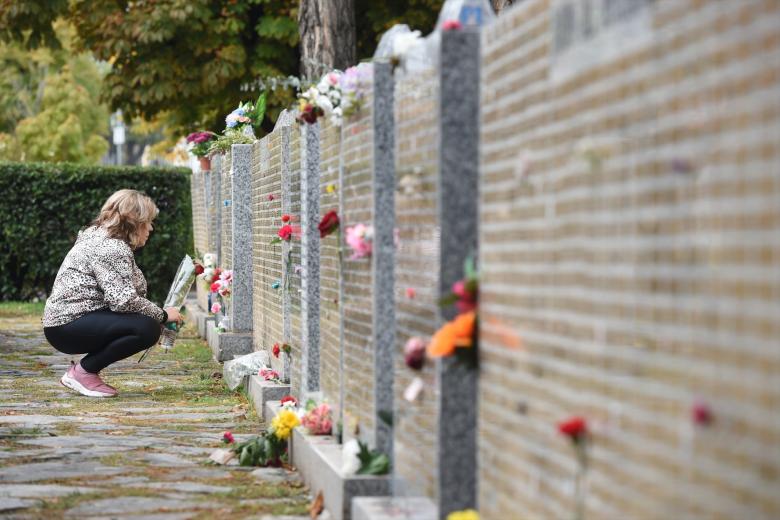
<point>205,163</point>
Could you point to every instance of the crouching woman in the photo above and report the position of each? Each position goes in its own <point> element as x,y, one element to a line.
<point>97,306</point>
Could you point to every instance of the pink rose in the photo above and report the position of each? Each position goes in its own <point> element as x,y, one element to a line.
<point>216,308</point>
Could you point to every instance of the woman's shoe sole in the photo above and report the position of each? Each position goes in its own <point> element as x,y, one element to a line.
<point>78,387</point>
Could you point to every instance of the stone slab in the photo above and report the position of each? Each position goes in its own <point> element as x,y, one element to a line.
<point>262,392</point>
<point>12,504</point>
<point>55,470</point>
<point>134,505</point>
<point>227,345</point>
<point>41,490</point>
<point>388,508</point>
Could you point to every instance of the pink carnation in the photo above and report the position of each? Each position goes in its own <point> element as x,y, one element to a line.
<point>216,308</point>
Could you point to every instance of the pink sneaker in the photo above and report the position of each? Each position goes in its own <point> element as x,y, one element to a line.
<point>86,383</point>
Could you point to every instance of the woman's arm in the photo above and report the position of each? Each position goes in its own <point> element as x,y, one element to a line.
<point>113,268</point>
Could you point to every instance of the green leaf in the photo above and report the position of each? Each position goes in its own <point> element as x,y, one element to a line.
<point>275,240</point>
<point>259,113</point>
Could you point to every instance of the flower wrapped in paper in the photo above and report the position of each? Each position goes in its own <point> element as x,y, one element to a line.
<point>182,283</point>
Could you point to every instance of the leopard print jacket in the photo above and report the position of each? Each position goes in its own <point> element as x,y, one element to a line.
<point>98,273</point>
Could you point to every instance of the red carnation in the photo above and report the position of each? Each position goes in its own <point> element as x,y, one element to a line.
<point>576,428</point>
<point>285,218</point>
<point>276,350</point>
<point>285,232</point>
<point>329,223</point>
<point>227,438</point>
<point>289,399</point>
<point>451,25</point>
<point>215,287</point>
<point>198,269</point>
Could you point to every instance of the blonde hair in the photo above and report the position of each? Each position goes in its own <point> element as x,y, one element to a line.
<point>124,213</point>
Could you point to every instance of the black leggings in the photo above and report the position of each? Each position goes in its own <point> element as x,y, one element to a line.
<point>105,336</point>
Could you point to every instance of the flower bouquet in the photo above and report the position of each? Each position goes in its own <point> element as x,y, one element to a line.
<point>240,125</point>
<point>323,99</point>
<point>199,142</point>
<point>182,283</point>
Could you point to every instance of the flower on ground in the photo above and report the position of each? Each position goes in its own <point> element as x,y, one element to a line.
<point>456,333</point>
<point>576,428</point>
<point>216,308</point>
<point>414,353</point>
<point>227,438</point>
<point>466,514</point>
<point>329,223</point>
<point>283,424</point>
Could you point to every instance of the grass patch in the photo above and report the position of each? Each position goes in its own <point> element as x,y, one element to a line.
<point>21,309</point>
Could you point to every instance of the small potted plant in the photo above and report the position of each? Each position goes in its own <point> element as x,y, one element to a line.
<point>199,143</point>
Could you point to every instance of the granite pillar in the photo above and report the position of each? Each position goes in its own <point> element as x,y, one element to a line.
<point>458,216</point>
<point>284,126</point>
<point>241,208</point>
<point>310,258</point>
<point>383,256</point>
<point>215,206</point>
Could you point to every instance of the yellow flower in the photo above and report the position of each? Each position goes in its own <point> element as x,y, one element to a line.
<point>468,514</point>
<point>283,424</point>
<point>331,188</point>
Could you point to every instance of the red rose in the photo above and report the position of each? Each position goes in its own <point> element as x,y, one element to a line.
<point>575,427</point>
<point>285,232</point>
<point>199,269</point>
<point>329,223</point>
<point>289,399</point>
<point>276,350</point>
<point>227,438</point>
<point>285,218</point>
<point>271,197</point>
<point>215,287</point>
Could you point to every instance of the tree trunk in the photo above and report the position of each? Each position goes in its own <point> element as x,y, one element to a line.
<point>327,30</point>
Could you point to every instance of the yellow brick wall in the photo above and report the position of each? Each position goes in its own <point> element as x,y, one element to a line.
<point>330,346</point>
<point>357,149</point>
<point>417,260</point>
<point>199,227</point>
<point>629,244</point>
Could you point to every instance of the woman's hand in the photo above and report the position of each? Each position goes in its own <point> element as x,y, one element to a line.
<point>174,315</point>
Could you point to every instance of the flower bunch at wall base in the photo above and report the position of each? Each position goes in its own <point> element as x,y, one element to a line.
<point>269,374</point>
<point>271,447</point>
<point>318,420</point>
<point>360,238</point>
<point>357,458</point>
<point>355,82</point>
<point>322,99</point>
<point>220,283</point>
<point>198,143</point>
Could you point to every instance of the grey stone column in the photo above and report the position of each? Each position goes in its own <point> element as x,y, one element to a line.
<point>283,125</point>
<point>215,206</point>
<point>310,258</point>
<point>241,196</point>
<point>458,214</point>
<point>207,210</point>
<point>383,256</point>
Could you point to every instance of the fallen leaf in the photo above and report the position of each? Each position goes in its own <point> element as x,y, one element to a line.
<point>221,456</point>
<point>317,506</point>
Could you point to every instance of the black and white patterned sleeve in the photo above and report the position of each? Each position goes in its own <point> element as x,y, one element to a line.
<point>113,269</point>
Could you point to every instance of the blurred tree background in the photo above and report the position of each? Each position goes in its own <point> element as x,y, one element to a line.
<point>179,65</point>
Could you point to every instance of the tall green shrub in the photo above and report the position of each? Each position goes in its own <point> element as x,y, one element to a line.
<point>44,205</point>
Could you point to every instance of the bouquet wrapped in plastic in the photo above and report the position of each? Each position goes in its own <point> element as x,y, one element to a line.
<point>182,283</point>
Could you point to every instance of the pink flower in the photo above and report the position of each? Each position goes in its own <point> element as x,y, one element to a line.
<point>360,238</point>
<point>414,353</point>
<point>318,421</point>
<point>451,25</point>
<point>411,292</point>
<point>701,413</point>
<point>271,197</point>
<point>216,308</point>
<point>269,374</point>
<point>227,438</point>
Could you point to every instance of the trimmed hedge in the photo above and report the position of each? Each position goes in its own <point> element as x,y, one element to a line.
<point>44,205</point>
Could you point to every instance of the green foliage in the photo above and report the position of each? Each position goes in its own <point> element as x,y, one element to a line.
<point>45,205</point>
<point>372,462</point>
<point>261,450</point>
<point>223,143</point>
<point>47,104</point>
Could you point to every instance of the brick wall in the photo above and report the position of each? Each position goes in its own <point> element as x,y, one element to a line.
<point>629,248</point>
<point>357,200</point>
<point>330,344</point>
<point>417,258</point>
<point>267,258</point>
<point>199,227</point>
<point>226,253</point>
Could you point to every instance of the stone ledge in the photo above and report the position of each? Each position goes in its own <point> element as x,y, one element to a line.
<point>382,508</point>
<point>199,317</point>
<point>318,459</point>
<point>227,345</point>
<point>262,392</point>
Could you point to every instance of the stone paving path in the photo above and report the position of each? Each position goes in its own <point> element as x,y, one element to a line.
<point>143,454</point>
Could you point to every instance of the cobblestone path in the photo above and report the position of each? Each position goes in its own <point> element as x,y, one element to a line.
<point>143,454</point>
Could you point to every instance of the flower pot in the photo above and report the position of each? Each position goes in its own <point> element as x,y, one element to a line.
<point>205,163</point>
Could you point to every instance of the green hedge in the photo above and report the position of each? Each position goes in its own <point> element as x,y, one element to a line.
<point>43,206</point>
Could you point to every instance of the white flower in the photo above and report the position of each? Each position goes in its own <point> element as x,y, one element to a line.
<point>350,463</point>
<point>324,103</point>
<point>209,260</point>
<point>403,43</point>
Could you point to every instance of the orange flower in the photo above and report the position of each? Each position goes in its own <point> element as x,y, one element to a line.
<point>456,333</point>
<point>463,325</point>
<point>443,342</point>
